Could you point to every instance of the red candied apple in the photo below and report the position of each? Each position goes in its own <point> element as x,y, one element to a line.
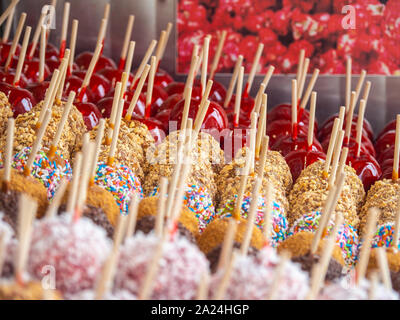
<point>385,141</point>
<point>8,77</point>
<point>280,128</point>
<point>387,154</point>
<point>366,144</point>
<point>390,126</point>
<point>232,140</point>
<point>163,117</point>
<point>115,75</point>
<point>325,132</point>
<point>83,60</point>
<point>387,168</point>
<point>246,105</point>
<point>31,70</point>
<point>90,113</point>
<point>284,111</point>
<point>170,102</point>
<point>157,98</point>
<point>162,78</point>
<point>179,87</point>
<point>38,89</point>
<point>287,144</point>
<point>74,83</point>
<point>5,51</point>
<point>21,100</point>
<point>367,169</point>
<point>155,127</point>
<point>105,107</point>
<point>300,159</point>
<point>51,51</point>
<point>99,85</point>
<point>244,119</point>
<point>215,117</point>
<point>217,92</point>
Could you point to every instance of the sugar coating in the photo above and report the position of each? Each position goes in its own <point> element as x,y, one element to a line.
<point>180,267</point>
<point>76,250</point>
<point>49,173</point>
<point>120,181</point>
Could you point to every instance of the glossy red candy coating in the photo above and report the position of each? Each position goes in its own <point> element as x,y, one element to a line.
<point>244,120</point>
<point>115,75</point>
<point>387,154</point>
<point>90,113</point>
<point>300,159</point>
<point>284,111</point>
<point>366,144</point>
<point>215,117</point>
<point>179,87</point>
<point>105,107</point>
<point>83,60</point>
<point>217,93</point>
<point>162,78</point>
<point>8,77</point>
<point>366,148</point>
<point>170,102</point>
<point>99,85</point>
<point>74,83</point>
<point>21,100</point>
<point>280,128</point>
<point>155,127</point>
<point>38,89</point>
<point>385,141</point>
<point>157,98</point>
<point>231,141</point>
<point>5,50</point>
<point>390,126</point>
<point>51,51</point>
<point>246,105</point>
<point>286,144</point>
<point>163,117</point>
<point>326,131</point>
<point>31,70</point>
<point>367,169</point>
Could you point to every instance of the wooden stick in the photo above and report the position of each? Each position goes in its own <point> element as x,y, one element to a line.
<point>160,46</point>
<point>89,71</point>
<point>253,70</point>
<point>8,11</point>
<point>8,154</point>
<point>61,124</point>
<point>332,143</point>
<point>366,92</point>
<point>362,264</point>
<point>37,144</point>
<point>262,122</point>
<point>7,29</point>
<point>218,52</point>
<point>310,136</point>
<point>64,29</point>
<point>278,275</point>
<point>129,59</point>
<point>300,66</point>
<point>150,85</point>
<point>26,214</point>
<point>187,96</point>
<point>232,83</point>
<point>63,75</point>
<point>336,156</point>
<point>360,123</point>
<point>238,98</point>
<point>310,88</point>
<point>201,113</point>
<point>192,70</point>
<point>303,77</point>
<point>349,116</point>
<point>294,109</point>
<point>227,245</point>
<point>132,216</point>
<point>342,112</point>
<point>142,65</point>
<point>102,33</point>
<point>114,141</point>
<point>242,186</point>
<point>72,44</point>
<point>204,284</point>
<point>42,55</point>
<point>268,76</point>
<point>47,98</point>
<point>127,39</point>
<point>14,44</point>
<point>348,84</point>
<point>342,161</point>
<point>161,206</point>
<point>56,201</point>
<point>251,217</point>
<point>269,200</point>
<point>168,31</point>
<point>73,191</point>
<point>97,147</point>
<point>204,66</point>
<point>395,173</point>
<point>137,93</point>
<point>396,227</point>
<point>253,132</point>
<point>36,35</point>
<point>223,285</point>
<point>384,267</point>
<point>360,85</point>
<point>114,110</point>
<point>257,103</point>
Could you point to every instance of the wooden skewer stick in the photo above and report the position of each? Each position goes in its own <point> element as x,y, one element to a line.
<point>362,264</point>
<point>61,79</point>
<point>395,241</point>
<point>64,29</point>
<point>187,96</point>
<point>310,135</point>
<point>268,76</point>
<point>72,44</point>
<point>204,66</point>
<point>160,46</point>
<point>238,98</point>
<point>218,52</point>
<point>168,31</point>
<point>366,92</point>
<point>36,35</point>
<point>142,65</point>
<point>395,173</point>
<point>257,103</point>
<point>7,29</point>
<point>128,35</point>
<point>97,147</point>
<point>384,267</point>
<point>162,195</point>
<point>150,84</point>
<point>132,216</point>
<point>42,56</point>
<point>192,70</point>
<point>253,70</point>
<point>348,84</point>
<point>8,154</point>
<point>360,123</point>
<point>26,214</point>
<point>73,191</point>
<point>309,89</point>
<point>342,113</point>
<point>8,11</point>
<point>204,104</point>
<point>349,116</point>
<point>204,284</point>
<point>61,124</point>
<point>114,110</point>
<point>227,245</point>
<point>262,122</point>
<point>253,132</point>
<point>56,201</point>
<point>113,147</point>
<point>303,77</point>
<point>129,59</point>
<point>269,200</point>
<point>232,83</point>
<point>102,33</point>
<point>251,217</point>
<point>14,44</point>
<point>300,63</point>
<point>336,157</point>
<point>360,84</point>
<point>331,147</point>
<point>243,183</point>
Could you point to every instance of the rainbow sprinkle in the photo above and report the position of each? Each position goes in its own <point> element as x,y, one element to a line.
<point>49,173</point>
<point>279,221</point>
<point>120,181</point>
<point>198,200</point>
<point>383,236</point>
<point>346,239</point>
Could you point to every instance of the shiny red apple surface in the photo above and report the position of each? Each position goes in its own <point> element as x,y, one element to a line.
<point>105,107</point>
<point>90,113</point>
<point>157,98</point>
<point>284,111</point>
<point>232,140</point>
<point>326,131</point>
<point>74,83</point>
<point>390,126</point>
<point>83,60</point>
<point>217,92</point>
<point>244,120</point>
<point>8,77</point>
<point>300,159</point>
<point>215,117</point>
<point>280,128</point>
<point>366,144</point>
<point>246,105</point>
<point>162,78</point>
<point>38,89</point>
<point>387,154</point>
<point>115,75</point>
<point>170,102</point>
<point>155,127</point>
<point>31,70</point>
<point>21,100</point>
<point>179,87</point>
<point>163,117</point>
<point>99,85</point>
<point>5,51</point>
<point>51,51</point>
<point>385,141</point>
<point>287,144</point>
<point>367,169</point>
